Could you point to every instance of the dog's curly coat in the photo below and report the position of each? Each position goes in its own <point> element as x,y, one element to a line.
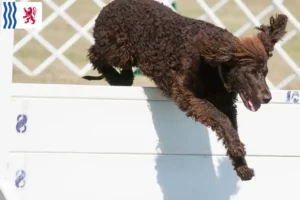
<point>199,66</point>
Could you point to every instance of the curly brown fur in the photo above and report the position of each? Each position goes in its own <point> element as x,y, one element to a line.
<point>198,65</point>
<point>272,33</point>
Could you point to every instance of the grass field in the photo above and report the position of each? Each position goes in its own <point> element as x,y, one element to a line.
<point>33,54</point>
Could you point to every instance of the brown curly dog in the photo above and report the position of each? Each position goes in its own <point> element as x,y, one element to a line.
<point>199,66</point>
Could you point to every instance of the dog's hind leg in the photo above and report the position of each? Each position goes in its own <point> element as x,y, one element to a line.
<point>107,71</point>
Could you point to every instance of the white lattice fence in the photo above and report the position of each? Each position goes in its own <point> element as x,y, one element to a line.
<point>286,74</point>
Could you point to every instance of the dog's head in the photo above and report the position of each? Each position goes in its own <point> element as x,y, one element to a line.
<point>246,72</point>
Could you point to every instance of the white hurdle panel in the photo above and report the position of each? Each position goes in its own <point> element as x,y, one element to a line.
<point>101,142</point>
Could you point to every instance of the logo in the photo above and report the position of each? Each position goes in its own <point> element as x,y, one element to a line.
<point>293,96</point>
<point>30,15</point>
<point>21,15</point>
<point>20,179</point>
<point>21,123</point>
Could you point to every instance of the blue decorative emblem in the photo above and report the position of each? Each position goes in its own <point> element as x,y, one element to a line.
<point>9,15</point>
<point>20,179</point>
<point>292,96</point>
<point>21,124</point>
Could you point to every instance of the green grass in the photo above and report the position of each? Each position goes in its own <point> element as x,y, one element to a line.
<point>33,54</point>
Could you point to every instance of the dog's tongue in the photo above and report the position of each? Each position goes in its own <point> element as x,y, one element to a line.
<point>247,102</point>
<point>251,106</point>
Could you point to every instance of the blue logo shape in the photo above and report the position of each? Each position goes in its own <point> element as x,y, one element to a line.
<point>20,179</point>
<point>293,96</point>
<point>9,15</point>
<point>21,123</point>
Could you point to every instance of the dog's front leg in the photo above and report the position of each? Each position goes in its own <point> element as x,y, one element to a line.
<point>225,104</point>
<point>206,113</point>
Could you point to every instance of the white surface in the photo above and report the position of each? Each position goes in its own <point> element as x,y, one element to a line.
<point>7,192</point>
<point>100,176</point>
<point>105,92</point>
<point>96,142</point>
<point>136,126</point>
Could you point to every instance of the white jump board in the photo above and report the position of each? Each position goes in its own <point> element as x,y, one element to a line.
<point>101,143</point>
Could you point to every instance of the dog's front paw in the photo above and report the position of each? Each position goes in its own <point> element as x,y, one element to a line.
<point>245,173</point>
<point>237,150</point>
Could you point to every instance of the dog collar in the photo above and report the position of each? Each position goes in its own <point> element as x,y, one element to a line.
<point>222,78</point>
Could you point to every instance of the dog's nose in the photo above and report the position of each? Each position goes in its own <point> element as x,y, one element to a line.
<point>267,98</point>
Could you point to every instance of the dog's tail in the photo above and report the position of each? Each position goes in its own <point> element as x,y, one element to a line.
<point>93,78</point>
<point>94,56</point>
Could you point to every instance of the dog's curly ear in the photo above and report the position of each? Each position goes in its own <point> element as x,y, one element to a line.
<point>269,35</point>
<point>212,51</point>
<point>215,48</point>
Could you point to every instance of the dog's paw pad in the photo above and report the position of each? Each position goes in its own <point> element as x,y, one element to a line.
<point>245,173</point>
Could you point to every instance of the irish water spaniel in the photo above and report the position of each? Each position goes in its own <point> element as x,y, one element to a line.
<point>199,66</point>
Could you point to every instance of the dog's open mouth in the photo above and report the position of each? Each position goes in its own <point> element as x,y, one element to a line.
<point>247,102</point>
